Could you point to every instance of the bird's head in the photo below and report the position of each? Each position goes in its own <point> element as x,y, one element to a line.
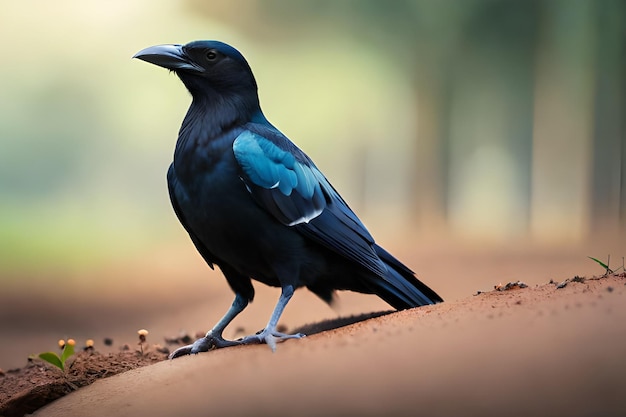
<point>205,67</point>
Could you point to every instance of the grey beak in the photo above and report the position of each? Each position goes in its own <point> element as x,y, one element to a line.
<point>172,57</point>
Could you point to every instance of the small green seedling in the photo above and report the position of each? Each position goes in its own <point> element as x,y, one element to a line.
<point>602,264</point>
<point>59,360</point>
<point>606,265</point>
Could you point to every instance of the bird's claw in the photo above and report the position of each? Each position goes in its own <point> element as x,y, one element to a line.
<point>269,337</point>
<point>212,341</point>
<point>181,351</point>
<point>204,344</point>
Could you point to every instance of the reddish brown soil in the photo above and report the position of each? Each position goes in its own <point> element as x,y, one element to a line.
<point>27,389</point>
<point>24,390</point>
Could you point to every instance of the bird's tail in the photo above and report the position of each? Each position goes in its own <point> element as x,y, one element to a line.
<point>400,288</point>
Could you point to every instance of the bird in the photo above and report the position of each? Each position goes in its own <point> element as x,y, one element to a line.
<point>258,207</point>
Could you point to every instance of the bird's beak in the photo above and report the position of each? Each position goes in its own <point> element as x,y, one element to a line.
<point>172,57</point>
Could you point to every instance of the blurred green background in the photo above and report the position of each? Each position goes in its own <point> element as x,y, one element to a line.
<point>484,122</point>
<point>478,119</point>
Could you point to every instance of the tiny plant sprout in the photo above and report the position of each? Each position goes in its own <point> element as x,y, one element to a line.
<point>56,360</point>
<point>89,344</point>
<point>61,344</point>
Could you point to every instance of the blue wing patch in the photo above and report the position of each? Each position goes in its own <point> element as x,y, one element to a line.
<point>284,181</point>
<point>288,188</point>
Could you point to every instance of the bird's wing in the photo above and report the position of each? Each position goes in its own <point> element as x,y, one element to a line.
<point>284,181</point>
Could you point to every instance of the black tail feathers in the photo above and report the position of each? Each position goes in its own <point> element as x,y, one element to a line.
<point>400,288</point>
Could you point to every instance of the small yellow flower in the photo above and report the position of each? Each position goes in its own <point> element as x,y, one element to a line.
<point>89,343</point>
<point>71,342</point>
<point>142,335</point>
<point>142,338</point>
<point>61,343</point>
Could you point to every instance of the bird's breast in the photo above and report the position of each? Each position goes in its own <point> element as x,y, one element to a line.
<point>220,211</point>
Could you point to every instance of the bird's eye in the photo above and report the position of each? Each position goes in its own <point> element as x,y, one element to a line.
<point>211,55</point>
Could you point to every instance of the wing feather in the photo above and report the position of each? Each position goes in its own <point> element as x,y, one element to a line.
<point>284,181</point>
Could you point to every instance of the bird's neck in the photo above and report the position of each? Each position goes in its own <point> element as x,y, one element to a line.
<point>210,114</point>
<point>208,121</point>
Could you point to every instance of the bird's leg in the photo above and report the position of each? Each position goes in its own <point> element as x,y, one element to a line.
<point>213,338</point>
<point>269,335</point>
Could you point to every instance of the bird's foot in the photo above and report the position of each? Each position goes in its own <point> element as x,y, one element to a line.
<point>209,342</point>
<point>270,337</point>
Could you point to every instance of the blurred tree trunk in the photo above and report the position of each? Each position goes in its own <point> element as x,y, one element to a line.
<point>428,193</point>
<point>609,135</point>
<point>490,122</point>
<point>563,123</point>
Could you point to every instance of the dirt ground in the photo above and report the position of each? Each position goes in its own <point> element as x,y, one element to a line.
<point>539,350</point>
<point>24,390</point>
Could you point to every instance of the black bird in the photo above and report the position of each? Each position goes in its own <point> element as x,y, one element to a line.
<point>257,206</point>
